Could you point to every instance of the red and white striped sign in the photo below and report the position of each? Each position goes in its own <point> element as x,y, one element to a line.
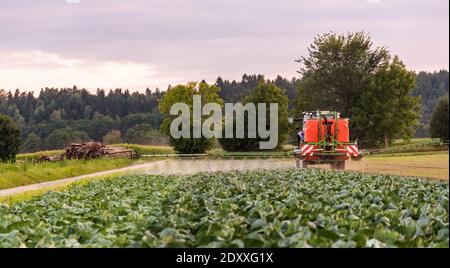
<point>307,149</point>
<point>352,150</point>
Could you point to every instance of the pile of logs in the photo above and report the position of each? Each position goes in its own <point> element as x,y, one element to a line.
<point>115,152</point>
<point>90,150</point>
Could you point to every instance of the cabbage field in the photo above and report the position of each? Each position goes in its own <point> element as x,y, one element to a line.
<point>277,208</point>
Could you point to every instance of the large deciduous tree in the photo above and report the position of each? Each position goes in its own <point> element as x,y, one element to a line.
<point>10,141</point>
<point>386,109</point>
<point>266,93</point>
<point>347,73</point>
<point>338,68</point>
<point>185,94</point>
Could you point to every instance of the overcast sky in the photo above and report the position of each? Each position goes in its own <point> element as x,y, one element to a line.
<point>136,44</point>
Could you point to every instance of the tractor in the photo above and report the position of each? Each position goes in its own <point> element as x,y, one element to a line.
<point>324,139</point>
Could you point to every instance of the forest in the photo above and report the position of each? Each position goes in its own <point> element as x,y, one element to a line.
<point>52,118</point>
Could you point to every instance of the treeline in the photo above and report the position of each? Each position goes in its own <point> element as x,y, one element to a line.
<point>235,91</point>
<point>431,87</point>
<point>72,104</point>
<point>139,128</point>
<point>55,117</point>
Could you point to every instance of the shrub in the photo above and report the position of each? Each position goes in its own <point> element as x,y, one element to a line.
<point>439,120</point>
<point>264,93</point>
<point>10,141</point>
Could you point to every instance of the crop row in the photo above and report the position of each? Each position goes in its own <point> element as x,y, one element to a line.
<point>279,208</point>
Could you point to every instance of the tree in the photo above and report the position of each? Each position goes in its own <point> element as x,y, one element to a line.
<point>113,137</point>
<point>145,134</point>
<point>439,120</point>
<point>386,109</point>
<point>32,143</point>
<point>347,74</point>
<point>61,138</point>
<point>185,94</point>
<point>10,141</point>
<point>337,69</point>
<point>55,116</point>
<point>236,91</point>
<point>263,93</point>
<point>290,87</point>
<point>139,134</point>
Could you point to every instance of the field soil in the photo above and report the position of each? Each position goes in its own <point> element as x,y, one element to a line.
<point>434,166</point>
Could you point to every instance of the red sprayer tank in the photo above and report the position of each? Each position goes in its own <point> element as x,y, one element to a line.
<point>343,134</point>
<point>312,130</point>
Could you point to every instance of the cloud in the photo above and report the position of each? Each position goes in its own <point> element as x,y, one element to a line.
<point>183,40</point>
<point>73,2</point>
<point>32,70</point>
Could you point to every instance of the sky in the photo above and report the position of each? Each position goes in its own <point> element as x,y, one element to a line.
<point>138,44</point>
